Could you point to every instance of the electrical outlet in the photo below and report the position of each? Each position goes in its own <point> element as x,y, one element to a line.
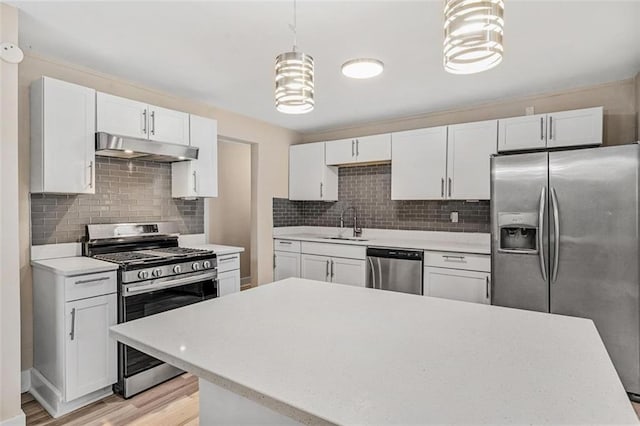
<point>529,110</point>
<point>454,217</point>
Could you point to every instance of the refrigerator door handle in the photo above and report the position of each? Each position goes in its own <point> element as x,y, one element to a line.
<point>556,235</point>
<point>541,209</point>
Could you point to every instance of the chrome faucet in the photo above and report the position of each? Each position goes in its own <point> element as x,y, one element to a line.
<point>357,232</point>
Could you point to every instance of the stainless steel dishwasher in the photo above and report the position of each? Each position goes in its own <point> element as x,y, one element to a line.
<point>395,270</point>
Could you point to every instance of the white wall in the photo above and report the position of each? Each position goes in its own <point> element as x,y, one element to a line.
<point>9,260</point>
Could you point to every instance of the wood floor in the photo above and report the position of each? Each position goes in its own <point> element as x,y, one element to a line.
<point>173,403</point>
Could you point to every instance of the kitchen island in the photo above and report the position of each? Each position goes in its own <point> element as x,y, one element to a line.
<point>299,351</point>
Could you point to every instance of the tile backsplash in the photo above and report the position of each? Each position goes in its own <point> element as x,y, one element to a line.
<point>368,189</point>
<point>126,191</point>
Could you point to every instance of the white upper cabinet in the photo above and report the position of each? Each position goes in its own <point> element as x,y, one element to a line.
<point>366,149</point>
<point>167,125</point>
<point>418,164</point>
<point>469,150</point>
<point>121,116</point>
<point>62,137</point>
<point>309,177</point>
<point>521,133</point>
<point>577,127</point>
<point>553,130</point>
<point>198,178</point>
<point>126,117</point>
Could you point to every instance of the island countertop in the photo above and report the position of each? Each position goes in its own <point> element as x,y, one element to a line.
<point>320,352</point>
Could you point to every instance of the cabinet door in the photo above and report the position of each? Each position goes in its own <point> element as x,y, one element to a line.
<point>374,148</point>
<point>90,354</point>
<point>577,127</point>
<point>121,116</point>
<point>348,271</point>
<point>67,147</point>
<point>286,265</point>
<point>204,135</point>
<point>228,282</point>
<point>309,177</point>
<point>340,152</point>
<point>522,133</point>
<point>167,125</point>
<point>315,267</point>
<point>469,150</point>
<point>467,286</point>
<point>418,164</point>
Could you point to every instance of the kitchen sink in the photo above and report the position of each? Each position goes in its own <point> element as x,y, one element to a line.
<point>345,238</point>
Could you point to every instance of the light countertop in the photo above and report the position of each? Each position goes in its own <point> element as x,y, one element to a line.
<point>355,355</point>
<point>219,250</point>
<point>77,265</point>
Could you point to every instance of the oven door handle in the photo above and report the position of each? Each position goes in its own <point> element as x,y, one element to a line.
<point>138,289</point>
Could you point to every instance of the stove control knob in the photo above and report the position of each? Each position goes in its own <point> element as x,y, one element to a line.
<point>143,275</point>
<point>157,272</point>
<point>206,264</point>
<point>195,266</point>
<point>177,269</point>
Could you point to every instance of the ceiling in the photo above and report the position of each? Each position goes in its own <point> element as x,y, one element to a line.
<point>222,52</point>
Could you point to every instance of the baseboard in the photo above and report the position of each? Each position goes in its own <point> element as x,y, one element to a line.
<point>19,420</point>
<point>25,380</point>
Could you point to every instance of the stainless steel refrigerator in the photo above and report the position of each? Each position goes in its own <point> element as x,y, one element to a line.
<point>565,240</point>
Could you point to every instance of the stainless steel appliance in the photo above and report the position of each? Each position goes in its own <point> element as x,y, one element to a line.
<point>154,275</point>
<point>395,270</point>
<point>108,145</point>
<point>565,240</point>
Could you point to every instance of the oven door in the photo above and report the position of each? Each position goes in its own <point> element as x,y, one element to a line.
<point>148,298</point>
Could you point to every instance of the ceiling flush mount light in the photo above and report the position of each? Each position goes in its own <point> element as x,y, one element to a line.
<point>473,31</point>
<point>294,78</point>
<point>362,68</point>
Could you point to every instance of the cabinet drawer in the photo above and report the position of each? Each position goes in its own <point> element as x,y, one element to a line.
<point>286,245</point>
<point>334,250</point>
<point>90,285</point>
<point>228,262</point>
<point>470,262</point>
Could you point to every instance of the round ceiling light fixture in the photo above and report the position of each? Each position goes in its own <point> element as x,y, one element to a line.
<point>362,68</point>
<point>473,31</point>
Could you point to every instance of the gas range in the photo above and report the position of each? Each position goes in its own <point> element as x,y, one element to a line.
<point>154,275</point>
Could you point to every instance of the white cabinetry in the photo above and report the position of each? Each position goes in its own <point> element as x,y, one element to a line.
<point>126,117</point>
<point>553,130</point>
<point>198,178</point>
<point>74,357</point>
<point>286,259</point>
<point>458,276</point>
<point>335,263</point>
<point>309,177</point>
<point>228,274</point>
<point>366,149</point>
<point>62,137</point>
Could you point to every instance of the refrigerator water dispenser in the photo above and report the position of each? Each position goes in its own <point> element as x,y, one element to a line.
<point>518,233</point>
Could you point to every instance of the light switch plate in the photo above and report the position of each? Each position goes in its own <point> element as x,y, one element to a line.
<point>454,217</point>
<point>529,110</point>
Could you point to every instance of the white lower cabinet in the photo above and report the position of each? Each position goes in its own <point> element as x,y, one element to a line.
<point>286,265</point>
<point>334,269</point>
<point>316,267</point>
<point>458,284</point>
<point>228,274</point>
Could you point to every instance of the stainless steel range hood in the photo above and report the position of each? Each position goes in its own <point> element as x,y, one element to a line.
<point>108,145</point>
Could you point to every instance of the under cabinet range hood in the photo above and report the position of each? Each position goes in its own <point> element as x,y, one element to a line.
<point>108,145</point>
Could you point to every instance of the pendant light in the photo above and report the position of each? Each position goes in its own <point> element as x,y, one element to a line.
<point>473,31</point>
<point>294,78</point>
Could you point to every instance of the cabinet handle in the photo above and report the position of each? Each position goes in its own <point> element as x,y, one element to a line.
<point>332,271</point>
<point>541,128</point>
<point>357,147</point>
<point>353,144</point>
<point>153,122</point>
<point>550,127</point>
<point>195,182</point>
<point>321,185</point>
<point>91,174</point>
<point>144,122</point>
<point>487,287</point>
<point>453,257</point>
<point>228,259</point>
<point>442,187</point>
<point>285,242</point>
<point>274,261</point>
<point>72,333</point>
<point>327,269</point>
<point>450,185</point>
<point>93,280</point>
